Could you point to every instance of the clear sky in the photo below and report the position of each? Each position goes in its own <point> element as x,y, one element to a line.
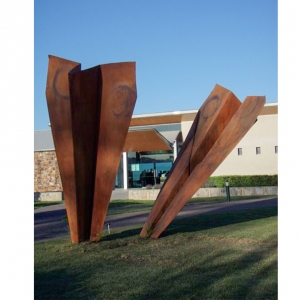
<point>181,48</point>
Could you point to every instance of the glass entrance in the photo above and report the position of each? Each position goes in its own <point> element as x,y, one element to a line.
<point>148,168</point>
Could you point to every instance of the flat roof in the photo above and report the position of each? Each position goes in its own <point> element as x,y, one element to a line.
<point>43,140</point>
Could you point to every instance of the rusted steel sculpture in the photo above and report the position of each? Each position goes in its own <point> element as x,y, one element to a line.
<point>221,122</point>
<point>90,112</point>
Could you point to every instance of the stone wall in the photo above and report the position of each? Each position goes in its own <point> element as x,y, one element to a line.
<point>46,173</point>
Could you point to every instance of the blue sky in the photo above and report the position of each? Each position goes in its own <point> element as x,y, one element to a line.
<point>181,48</point>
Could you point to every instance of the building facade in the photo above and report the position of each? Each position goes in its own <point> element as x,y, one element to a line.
<point>152,145</point>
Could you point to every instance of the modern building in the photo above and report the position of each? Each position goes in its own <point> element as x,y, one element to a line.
<point>152,145</point>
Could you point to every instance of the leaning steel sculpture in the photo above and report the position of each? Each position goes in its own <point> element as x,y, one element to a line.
<point>90,113</point>
<point>221,122</point>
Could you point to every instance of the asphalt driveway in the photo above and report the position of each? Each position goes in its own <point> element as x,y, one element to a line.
<point>50,222</point>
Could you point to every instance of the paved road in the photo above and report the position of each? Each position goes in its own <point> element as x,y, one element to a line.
<point>50,222</point>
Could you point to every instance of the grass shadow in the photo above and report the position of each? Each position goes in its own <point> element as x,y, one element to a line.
<point>202,222</point>
<point>209,221</point>
<point>121,235</point>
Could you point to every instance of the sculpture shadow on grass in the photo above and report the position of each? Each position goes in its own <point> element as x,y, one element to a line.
<point>210,221</point>
<point>203,222</point>
<point>122,235</point>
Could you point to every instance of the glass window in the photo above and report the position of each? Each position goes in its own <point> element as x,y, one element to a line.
<point>258,151</point>
<point>240,152</point>
<point>148,168</point>
<point>119,181</point>
<point>276,149</point>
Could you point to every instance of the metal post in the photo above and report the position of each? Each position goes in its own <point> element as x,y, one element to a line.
<point>227,191</point>
<point>108,229</point>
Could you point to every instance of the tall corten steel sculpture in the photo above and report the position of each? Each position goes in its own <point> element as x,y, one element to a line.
<point>221,122</point>
<point>90,112</point>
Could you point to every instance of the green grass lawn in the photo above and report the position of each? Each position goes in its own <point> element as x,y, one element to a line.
<point>218,256</point>
<point>39,204</point>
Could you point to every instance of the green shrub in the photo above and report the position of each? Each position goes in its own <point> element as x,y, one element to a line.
<point>242,181</point>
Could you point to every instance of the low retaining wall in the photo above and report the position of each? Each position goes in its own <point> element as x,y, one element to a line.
<point>48,196</point>
<point>148,194</point>
<point>151,194</point>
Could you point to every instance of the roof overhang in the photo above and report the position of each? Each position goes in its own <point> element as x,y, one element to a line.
<point>162,118</point>
<point>145,140</point>
<point>269,109</point>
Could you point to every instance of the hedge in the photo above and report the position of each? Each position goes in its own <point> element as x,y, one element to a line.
<point>242,181</point>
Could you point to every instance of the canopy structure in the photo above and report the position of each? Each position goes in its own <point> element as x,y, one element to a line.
<point>163,118</point>
<point>147,140</point>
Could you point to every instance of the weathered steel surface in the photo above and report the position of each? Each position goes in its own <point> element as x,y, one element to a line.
<point>203,133</point>
<point>89,125</point>
<point>220,124</point>
<point>59,108</point>
<point>119,93</point>
<point>85,88</point>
